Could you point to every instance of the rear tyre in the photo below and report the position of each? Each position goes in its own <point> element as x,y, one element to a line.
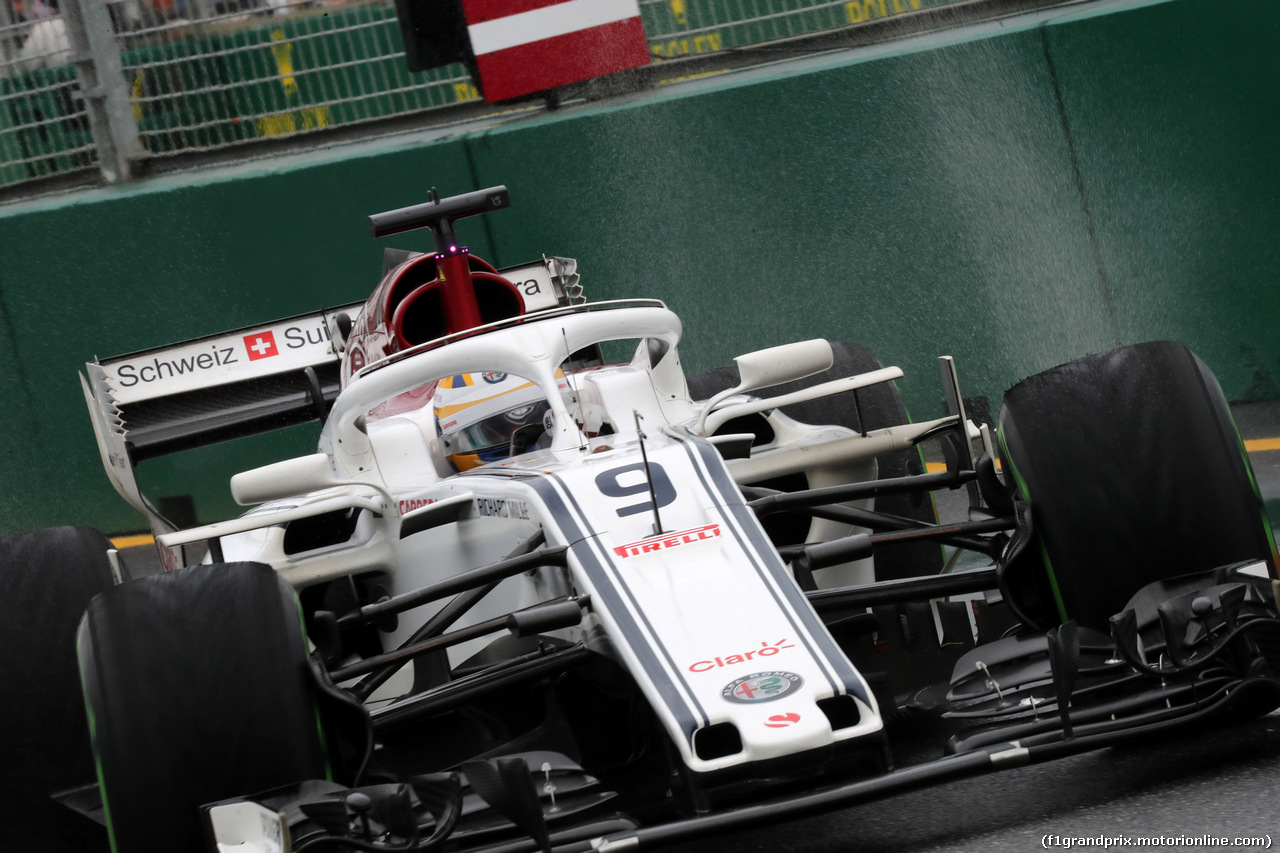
<point>47,578</point>
<point>199,690</point>
<point>1135,472</point>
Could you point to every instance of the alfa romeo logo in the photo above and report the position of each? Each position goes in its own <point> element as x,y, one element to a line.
<point>761,687</point>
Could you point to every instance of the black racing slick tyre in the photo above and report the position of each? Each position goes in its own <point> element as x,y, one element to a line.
<point>198,690</point>
<point>1135,472</point>
<point>47,578</point>
<point>878,406</point>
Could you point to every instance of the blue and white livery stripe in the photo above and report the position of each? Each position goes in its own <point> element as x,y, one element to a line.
<point>764,558</point>
<point>620,604</point>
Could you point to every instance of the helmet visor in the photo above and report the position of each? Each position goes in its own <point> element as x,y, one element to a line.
<point>495,433</point>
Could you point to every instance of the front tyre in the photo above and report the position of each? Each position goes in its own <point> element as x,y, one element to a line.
<point>198,690</point>
<point>1135,472</point>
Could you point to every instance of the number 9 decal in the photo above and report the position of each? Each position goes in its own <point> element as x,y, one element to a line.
<point>610,484</point>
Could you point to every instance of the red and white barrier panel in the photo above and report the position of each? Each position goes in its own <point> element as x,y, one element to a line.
<point>525,46</point>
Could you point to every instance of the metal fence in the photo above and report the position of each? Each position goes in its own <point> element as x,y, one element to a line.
<point>44,128</point>
<point>170,77</point>
<point>678,28</point>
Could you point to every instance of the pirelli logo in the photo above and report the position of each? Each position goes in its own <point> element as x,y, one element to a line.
<point>667,540</point>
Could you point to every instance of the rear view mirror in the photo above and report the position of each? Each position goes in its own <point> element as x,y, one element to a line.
<point>786,363</point>
<point>285,479</point>
<point>773,366</point>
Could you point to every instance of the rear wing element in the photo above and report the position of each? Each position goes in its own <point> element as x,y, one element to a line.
<point>211,389</point>
<point>165,400</point>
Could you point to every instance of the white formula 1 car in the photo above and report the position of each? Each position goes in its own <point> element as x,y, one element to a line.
<point>538,590</point>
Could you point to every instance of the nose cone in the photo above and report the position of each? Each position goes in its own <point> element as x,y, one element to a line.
<point>774,729</point>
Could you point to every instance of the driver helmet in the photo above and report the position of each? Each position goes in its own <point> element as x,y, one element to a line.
<point>479,414</point>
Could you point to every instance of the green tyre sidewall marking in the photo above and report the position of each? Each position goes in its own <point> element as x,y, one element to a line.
<point>1025,494</point>
<point>324,743</point>
<point>97,758</point>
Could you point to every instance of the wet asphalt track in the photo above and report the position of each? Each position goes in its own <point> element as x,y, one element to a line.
<point>1221,783</point>
<point>1215,783</point>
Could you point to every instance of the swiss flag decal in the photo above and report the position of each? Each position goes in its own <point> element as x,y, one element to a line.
<point>260,345</point>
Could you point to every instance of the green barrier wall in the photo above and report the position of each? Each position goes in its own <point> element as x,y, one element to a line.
<point>1014,197</point>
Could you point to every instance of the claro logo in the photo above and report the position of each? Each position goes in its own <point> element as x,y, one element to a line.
<point>766,649</point>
